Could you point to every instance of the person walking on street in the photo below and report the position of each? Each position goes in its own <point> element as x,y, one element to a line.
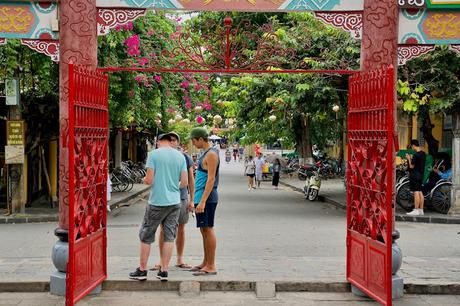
<point>416,171</point>
<point>206,199</point>
<point>166,173</point>
<point>186,207</point>
<point>241,152</point>
<point>260,161</point>
<point>250,171</point>
<point>276,173</point>
<point>235,153</point>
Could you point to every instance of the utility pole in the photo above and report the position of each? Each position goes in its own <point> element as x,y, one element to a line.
<point>14,151</point>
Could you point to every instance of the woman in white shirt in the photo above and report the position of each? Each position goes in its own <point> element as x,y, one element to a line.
<point>250,171</point>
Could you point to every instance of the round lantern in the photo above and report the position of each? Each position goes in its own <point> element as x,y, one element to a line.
<point>272,118</point>
<point>217,119</point>
<point>336,108</point>
<point>178,118</point>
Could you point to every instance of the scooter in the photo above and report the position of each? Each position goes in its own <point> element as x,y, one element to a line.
<point>312,186</point>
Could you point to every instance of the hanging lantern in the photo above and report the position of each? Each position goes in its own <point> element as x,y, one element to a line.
<point>336,108</point>
<point>272,118</point>
<point>178,118</point>
<point>171,121</point>
<point>198,109</point>
<point>186,121</point>
<point>217,119</point>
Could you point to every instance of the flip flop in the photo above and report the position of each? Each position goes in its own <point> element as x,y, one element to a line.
<point>155,268</point>
<point>184,266</point>
<point>204,273</point>
<point>195,269</point>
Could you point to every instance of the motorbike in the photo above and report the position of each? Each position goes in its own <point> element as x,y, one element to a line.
<point>306,171</point>
<point>312,186</point>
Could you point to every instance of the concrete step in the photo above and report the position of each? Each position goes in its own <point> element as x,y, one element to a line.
<point>229,286</point>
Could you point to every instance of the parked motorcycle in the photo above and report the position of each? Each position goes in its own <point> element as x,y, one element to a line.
<point>306,171</point>
<point>312,186</point>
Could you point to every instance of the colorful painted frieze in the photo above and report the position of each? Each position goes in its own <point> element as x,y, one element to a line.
<point>429,27</point>
<point>239,5</point>
<point>430,4</point>
<point>28,20</point>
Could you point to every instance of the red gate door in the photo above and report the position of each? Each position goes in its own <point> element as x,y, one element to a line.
<point>88,139</point>
<point>370,183</point>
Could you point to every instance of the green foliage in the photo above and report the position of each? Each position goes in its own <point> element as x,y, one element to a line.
<point>292,98</point>
<point>39,89</point>
<point>431,83</point>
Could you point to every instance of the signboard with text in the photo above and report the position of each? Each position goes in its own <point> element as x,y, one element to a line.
<point>15,133</point>
<point>14,154</point>
<point>12,91</point>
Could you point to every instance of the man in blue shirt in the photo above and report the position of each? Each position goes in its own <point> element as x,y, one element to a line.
<point>166,173</point>
<point>186,207</point>
<point>206,199</point>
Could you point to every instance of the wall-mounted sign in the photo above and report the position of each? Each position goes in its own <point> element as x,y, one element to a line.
<point>14,154</point>
<point>15,133</point>
<point>12,91</point>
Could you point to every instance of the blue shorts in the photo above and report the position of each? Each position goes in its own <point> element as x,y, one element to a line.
<point>206,219</point>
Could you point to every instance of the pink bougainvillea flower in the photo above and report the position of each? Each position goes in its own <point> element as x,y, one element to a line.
<point>118,28</point>
<point>139,78</point>
<point>197,87</point>
<point>133,44</point>
<point>188,105</point>
<point>171,110</point>
<point>199,119</point>
<point>128,26</point>
<point>205,77</point>
<point>150,32</point>
<point>143,61</point>
<point>178,28</point>
<point>179,19</point>
<point>185,85</point>
<point>158,78</point>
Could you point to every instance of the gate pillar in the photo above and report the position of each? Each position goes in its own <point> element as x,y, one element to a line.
<point>380,34</point>
<point>78,44</point>
<point>379,49</point>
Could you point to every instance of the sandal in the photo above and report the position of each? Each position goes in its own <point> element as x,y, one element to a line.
<point>204,273</point>
<point>155,268</point>
<point>184,266</point>
<point>195,269</point>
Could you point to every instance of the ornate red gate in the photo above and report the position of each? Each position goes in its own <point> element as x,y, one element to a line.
<point>88,136</point>
<point>370,183</point>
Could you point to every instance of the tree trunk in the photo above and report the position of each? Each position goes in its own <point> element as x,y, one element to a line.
<point>427,130</point>
<point>304,143</point>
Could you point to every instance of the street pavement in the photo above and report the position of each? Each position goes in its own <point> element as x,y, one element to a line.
<point>333,192</point>
<point>263,235</point>
<point>160,298</point>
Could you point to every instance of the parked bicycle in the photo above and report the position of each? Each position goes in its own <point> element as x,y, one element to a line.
<point>437,193</point>
<point>124,177</point>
